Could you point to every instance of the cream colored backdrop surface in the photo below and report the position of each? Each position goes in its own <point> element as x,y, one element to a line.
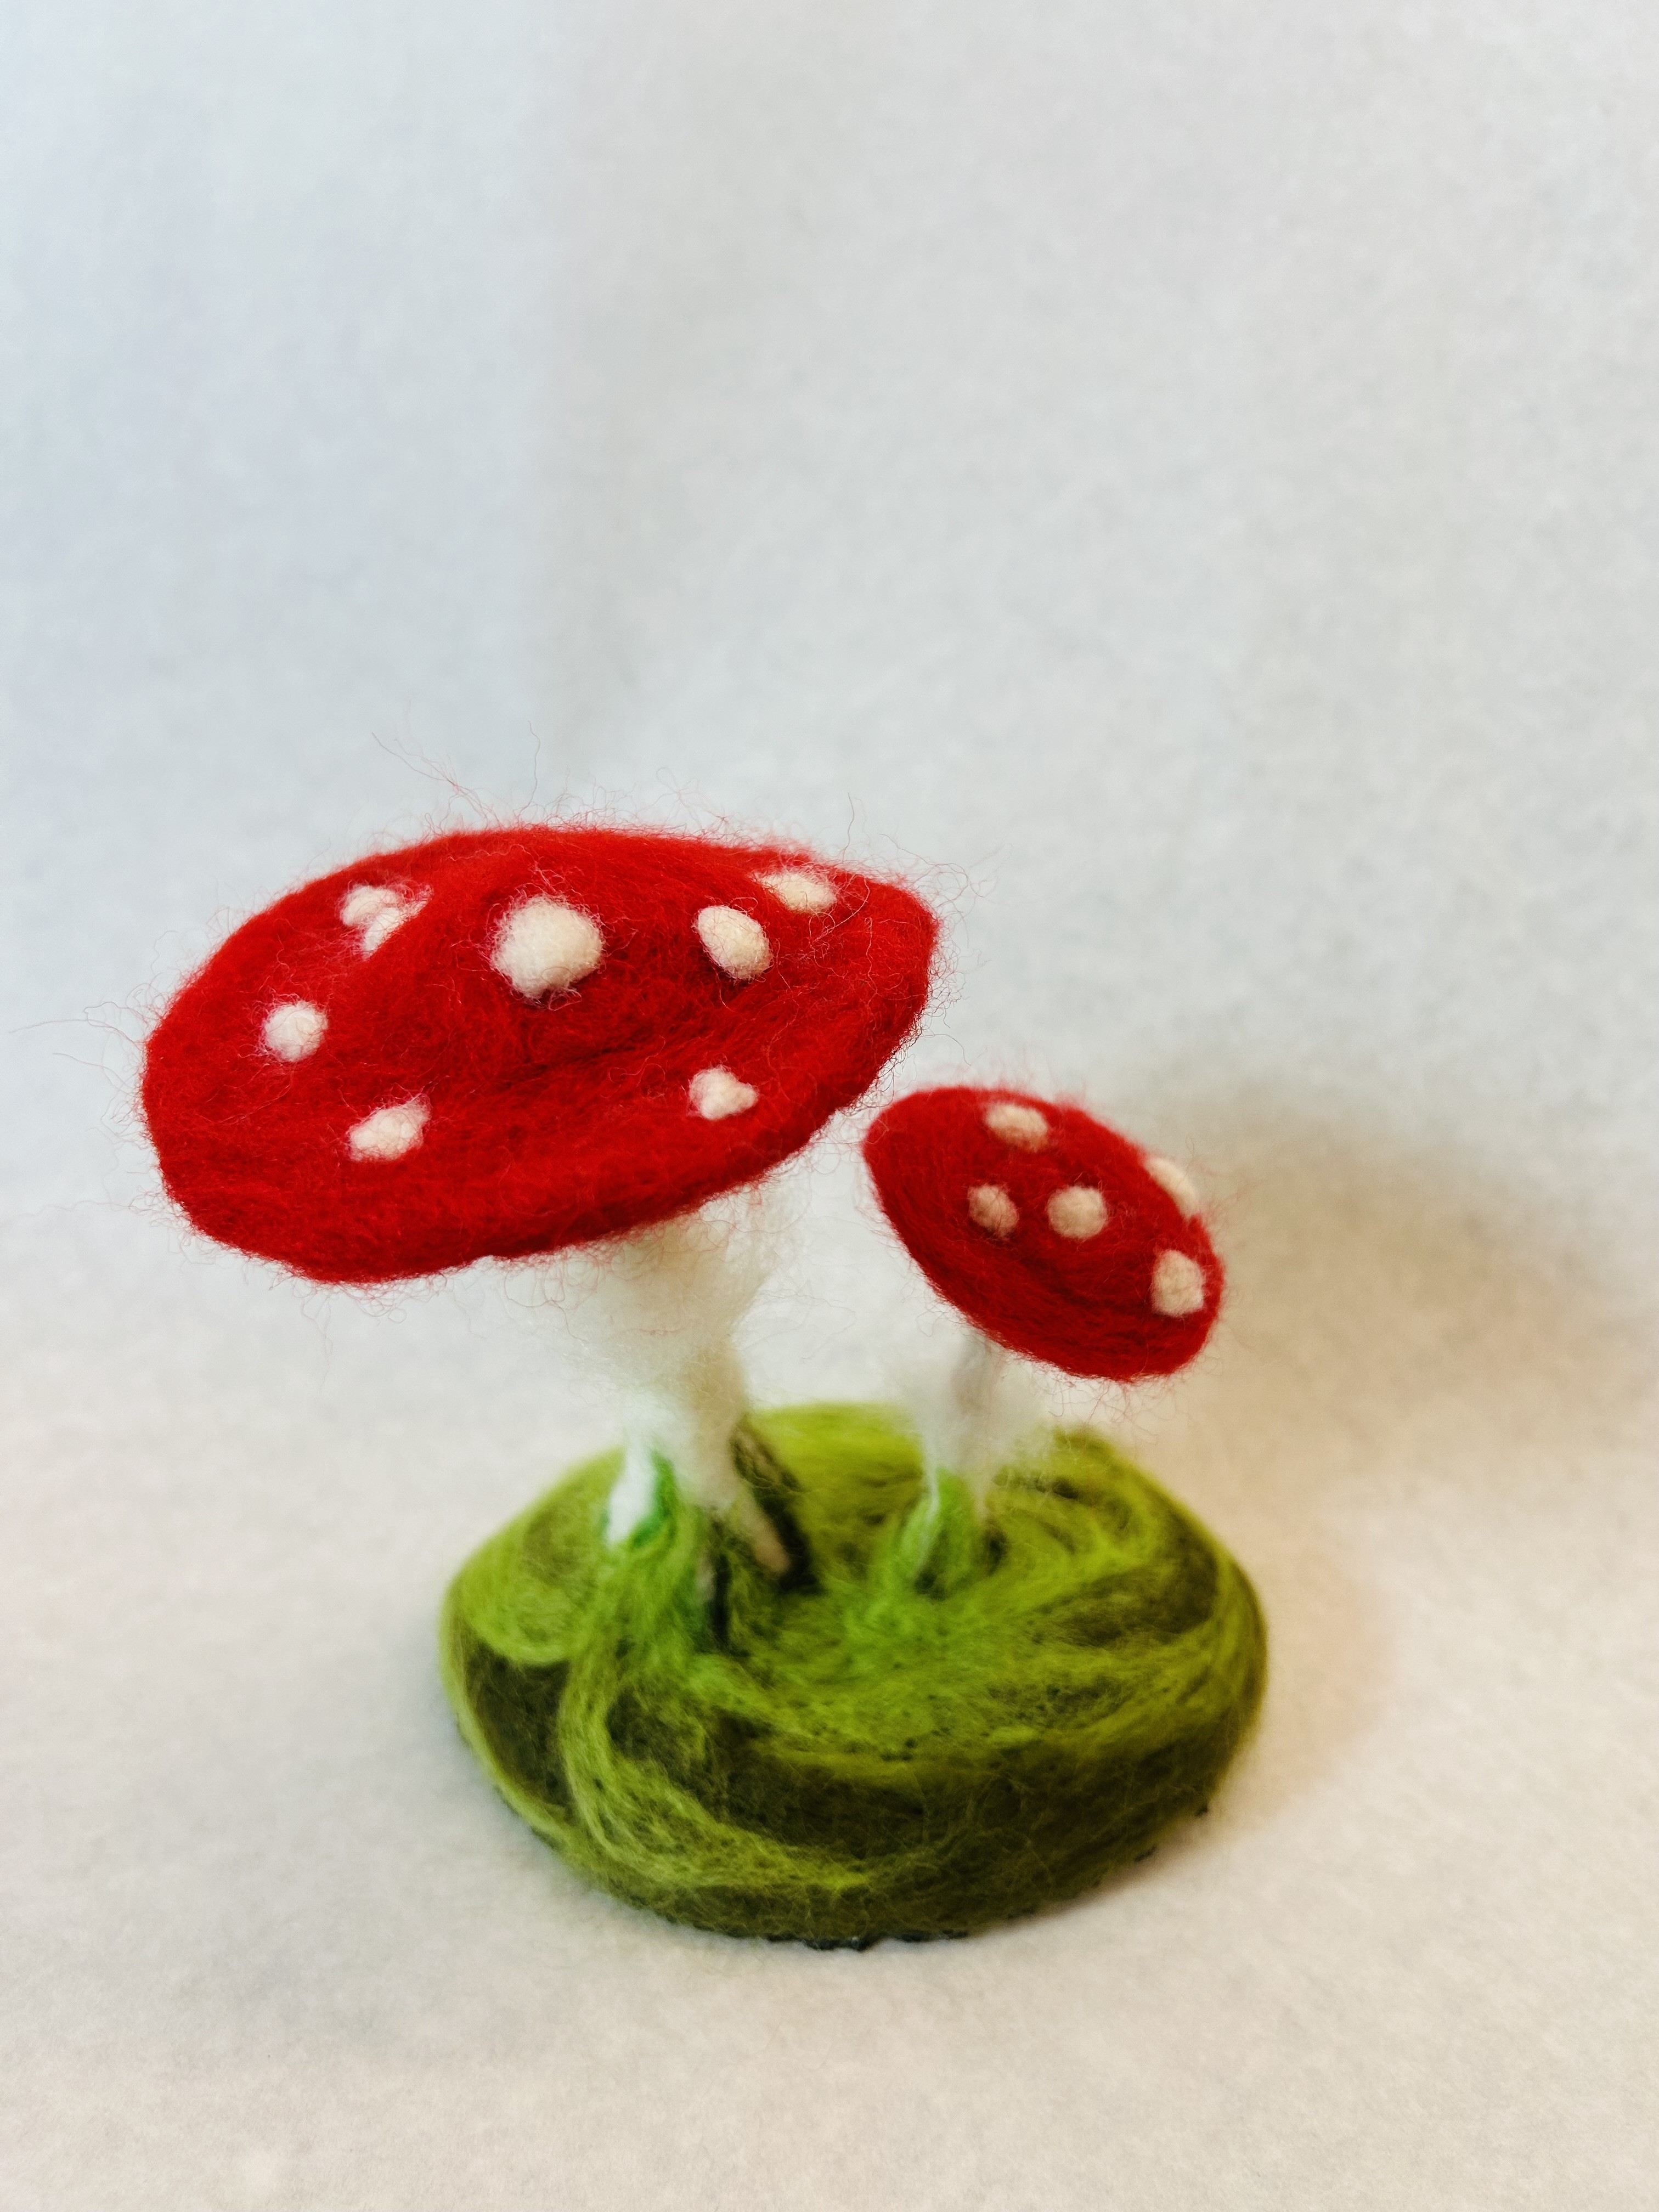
<point>1185,476</point>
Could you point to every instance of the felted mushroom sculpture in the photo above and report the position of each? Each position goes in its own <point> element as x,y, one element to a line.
<point>532,1041</point>
<point>507,1043</point>
<point>1056,1237</point>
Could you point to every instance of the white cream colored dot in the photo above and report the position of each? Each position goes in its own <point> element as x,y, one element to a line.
<point>801,889</point>
<point>391,1132</point>
<point>364,901</point>
<point>544,946</point>
<point>1022,1127</point>
<point>381,927</point>
<point>1177,1284</point>
<point>717,1094</point>
<point>374,910</point>
<point>1175,1181</point>
<point>294,1029</point>
<point>990,1207</point>
<point>1077,1212</point>
<point>735,942</point>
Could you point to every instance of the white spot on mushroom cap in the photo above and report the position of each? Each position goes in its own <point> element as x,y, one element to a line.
<point>717,1093</point>
<point>1077,1212</point>
<point>1022,1127</point>
<point>801,890</point>
<point>376,909</point>
<point>1177,1284</point>
<point>543,945</point>
<point>990,1206</point>
<point>735,942</point>
<point>1175,1180</point>
<point>294,1029</point>
<point>364,901</point>
<point>390,1132</point>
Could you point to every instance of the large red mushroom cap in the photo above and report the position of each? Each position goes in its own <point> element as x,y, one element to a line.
<point>1054,1235</point>
<point>506,1041</point>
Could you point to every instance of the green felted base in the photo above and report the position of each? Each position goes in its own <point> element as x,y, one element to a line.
<point>921,1730</point>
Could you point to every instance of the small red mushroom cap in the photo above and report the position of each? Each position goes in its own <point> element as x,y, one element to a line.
<point>1054,1235</point>
<point>506,1041</point>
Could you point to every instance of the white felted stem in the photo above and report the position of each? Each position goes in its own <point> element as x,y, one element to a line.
<point>971,1427</point>
<point>975,1391</point>
<point>687,1418</point>
<point>980,1366</point>
<point>658,1310</point>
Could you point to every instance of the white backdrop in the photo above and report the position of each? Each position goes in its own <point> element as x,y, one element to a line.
<point>1186,475</point>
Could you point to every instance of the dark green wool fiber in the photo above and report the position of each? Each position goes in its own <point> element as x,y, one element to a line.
<point>924,1727</point>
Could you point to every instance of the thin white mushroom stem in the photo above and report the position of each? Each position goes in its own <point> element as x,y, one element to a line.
<point>687,1419</point>
<point>984,1410</point>
<point>981,1365</point>
<point>657,1310</point>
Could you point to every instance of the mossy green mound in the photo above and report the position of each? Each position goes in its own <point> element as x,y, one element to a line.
<point>921,1730</point>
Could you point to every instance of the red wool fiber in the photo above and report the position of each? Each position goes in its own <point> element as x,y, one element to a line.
<point>1082,1303</point>
<point>549,1120</point>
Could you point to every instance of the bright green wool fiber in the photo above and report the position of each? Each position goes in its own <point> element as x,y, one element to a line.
<point>918,1731</point>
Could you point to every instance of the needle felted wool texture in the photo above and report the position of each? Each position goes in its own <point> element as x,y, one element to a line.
<point>506,1041</point>
<point>934,1723</point>
<point>1055,1235</point>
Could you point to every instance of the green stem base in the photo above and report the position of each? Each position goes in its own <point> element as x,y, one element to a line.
<point>936,1721</point>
